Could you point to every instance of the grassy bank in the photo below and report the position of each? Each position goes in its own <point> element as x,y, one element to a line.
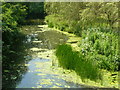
<point>70,57</point>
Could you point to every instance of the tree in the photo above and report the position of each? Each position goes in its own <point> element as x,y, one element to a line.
<point>100,13</point>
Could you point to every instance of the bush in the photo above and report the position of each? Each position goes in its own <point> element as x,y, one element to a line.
<point>73,60</point>
<point>63,25</point>
<point>102,47</point>
<point>13,15</point>
<point>63,51</point>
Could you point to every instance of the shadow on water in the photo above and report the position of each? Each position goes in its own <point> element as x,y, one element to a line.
<point>13,66</point>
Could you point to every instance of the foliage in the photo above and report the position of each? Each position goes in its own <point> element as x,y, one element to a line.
<point>35,10</point>
<point>103,14</point>
<point>66,18</point>
<point>101,47</point>
<point>13,14</point>
<point>96,22</point>
<point>81,15</point>
<point>73,60</point>
<point>56,22</point>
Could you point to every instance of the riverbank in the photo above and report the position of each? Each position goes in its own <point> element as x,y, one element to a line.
<point>107,81</point>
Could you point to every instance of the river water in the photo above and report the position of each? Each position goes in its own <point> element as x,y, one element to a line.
<point>39,72</point>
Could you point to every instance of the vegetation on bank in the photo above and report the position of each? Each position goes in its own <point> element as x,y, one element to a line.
<point>105,67</point>
<point>74,60</point>
<point>96,23</point>
<point>78,16</point>
<point>101,47</point>
<point>12,16</point>
<point>106,78</point>
<point>98,28</point>
<point>12,39</point>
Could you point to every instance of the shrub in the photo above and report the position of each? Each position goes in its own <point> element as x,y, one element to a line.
<point>102,47</point>
<point>73,60</point>
<point>63,25</point>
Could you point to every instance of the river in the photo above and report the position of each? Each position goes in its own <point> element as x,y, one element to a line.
<point>39,70</point>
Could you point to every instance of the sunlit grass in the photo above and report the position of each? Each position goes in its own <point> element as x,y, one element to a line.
<point>73,60</point>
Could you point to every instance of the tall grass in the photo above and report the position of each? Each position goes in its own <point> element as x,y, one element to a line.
<point>73,60</point>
